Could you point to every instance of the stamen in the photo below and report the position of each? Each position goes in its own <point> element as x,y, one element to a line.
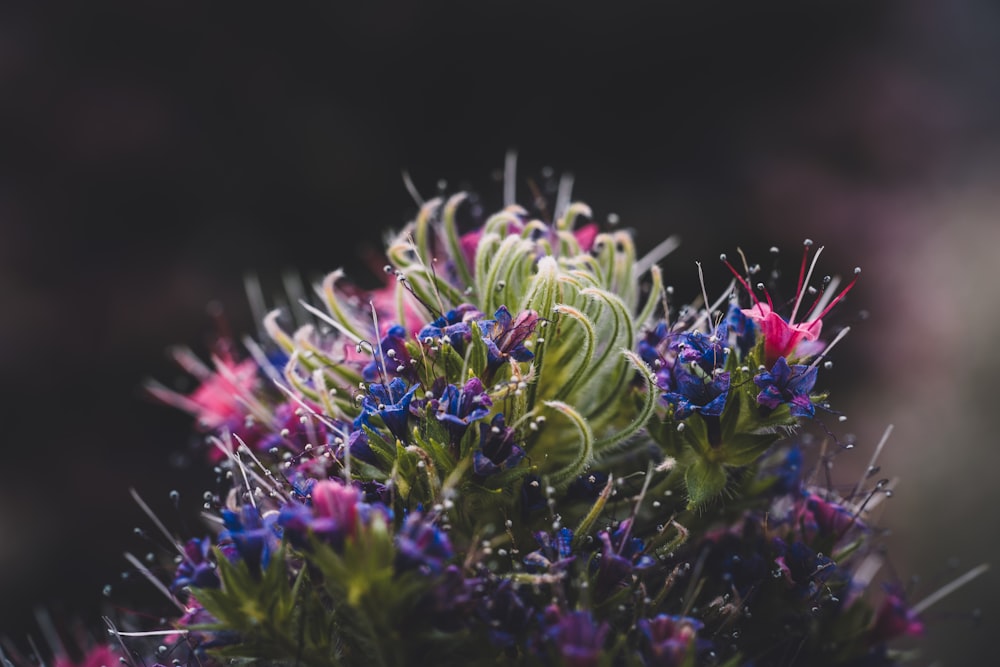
<point>875,455</point>
<point>332,322</point>
<point>704,294</point>
<point>800,290</point>
<point>843,293</point>
<point>157,584</point>
<point>839,337</point>
<point>380,354</point>
<point>156,521</point>
<point>656,255</point>
<point>738,277</point>
<point>153,633</point>
<point>950,588</point>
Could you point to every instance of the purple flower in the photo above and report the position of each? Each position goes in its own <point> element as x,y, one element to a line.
<point>373,492</point>
<point>649,346</point>
<point>532,496</point>
<point>744,328</point>
<point>394,356</point>
<point>458,408</point>
<point>497,450</point>
<point>587,486</point>
<point>895,618</point>
<point>708,352</point>
<point>554,553</point>
<point>453,325</point>
<point>578,640</point>
<point>249,537</point>
<point>505,335</point>
<point>336,514</point>
<point>692,393</point>
<point>391,403</point>
<point>621,556</point>
<point>825,517</point>
<point>787,475</point>
<point>196,569</point>
<point>787,384</point>
<point>357,444</point>
<point>802,567</point>
<point>421,545</point>
<point>667,639</point>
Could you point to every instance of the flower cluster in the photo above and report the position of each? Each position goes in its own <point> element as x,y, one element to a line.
<point>514,453</point>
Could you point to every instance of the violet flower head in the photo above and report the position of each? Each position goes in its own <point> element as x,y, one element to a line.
<point>743,329</point>
<point>391,403</point>
<point>555,551</point>
<point>895,618</point>
<point>505,335</point>
<point>249,537</point>
<point>785,384</point>
<point>422,545</point>
<point>358,446</point>
<point>333,516</point>
<point>497,450</point>
<point>459,407</point>
<point>694,382</point>
<point>392,357</point>
<point>707,351</point>
<point>692,393</point>
<point>621,556</point>
<point>578,639</point>
<point>651,342</point>
<point>453,325</point>
<point>667,639</point>
<point>196,569</point>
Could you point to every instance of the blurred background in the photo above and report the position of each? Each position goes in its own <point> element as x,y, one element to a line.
<point>157,152</point>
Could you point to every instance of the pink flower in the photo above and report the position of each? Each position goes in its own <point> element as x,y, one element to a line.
<point>217,397</point>
<point>220,400</point>
<point>781,338</point>
<point>337,504</point>
<point>99,656</point>
<point>785,338</point>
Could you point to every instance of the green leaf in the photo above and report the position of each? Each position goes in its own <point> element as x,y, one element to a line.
<point>704,481</point>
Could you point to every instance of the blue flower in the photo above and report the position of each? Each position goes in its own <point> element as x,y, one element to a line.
<point>505,336</point>
<point>787,475</point>
<point>497,450</point>
<point>708,352</point>
<point>649,346</point>
<point>196,569</point>
<point>391,403</point>
<point>458,408</point>
<point>744,328</point>
<point>692,393</point>
<point>249,538</point>
<point>357,444</point>
<point>693,380</point>
<point>422,545</point>
<point>555,551</point>
<point>668,639</point>
<point>802,567</point>
<point>578,639</point>
<point>453,325</point>
<point>394,357</point>
<point>621,556</point>
<point>787,384</point>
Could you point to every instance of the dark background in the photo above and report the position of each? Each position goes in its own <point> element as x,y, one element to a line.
<point>156,152</point>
